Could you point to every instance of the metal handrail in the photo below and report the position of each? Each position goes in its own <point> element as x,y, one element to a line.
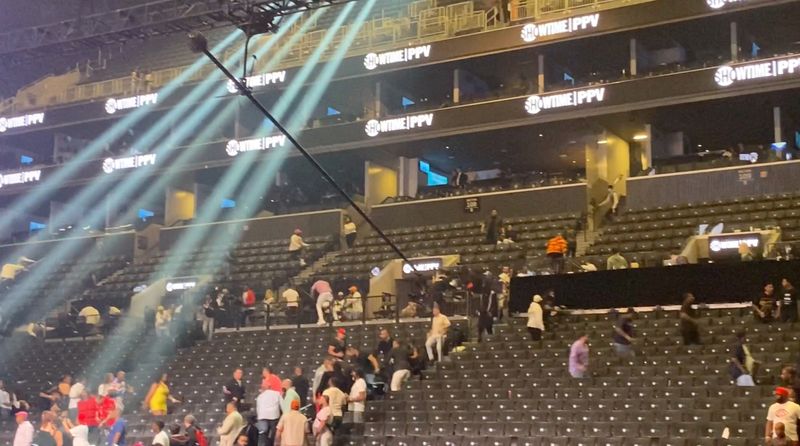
<point>430,22</point>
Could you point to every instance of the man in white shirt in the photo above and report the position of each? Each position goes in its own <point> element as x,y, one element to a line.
<point>353,307</point>
<point>5,401</point>
<point>439,325</point>
<point>268,411</point>
<point>536,318</point>
<point>292,299</point>
<point>337,400</point>
<point>24,434</point>
<point>74,396</point>
<point>502,299</point>
<point>356,401</point>
<point>161,437</point>
<point>297,246</point>
<point>783,411</point>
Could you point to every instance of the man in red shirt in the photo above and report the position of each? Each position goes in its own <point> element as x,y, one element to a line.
<point>105,410</point>
<point>88,415</point>
<point>270,380</point>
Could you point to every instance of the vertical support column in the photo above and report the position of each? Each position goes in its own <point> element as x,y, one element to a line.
<point>236,120</point>
<point>734,42</point>
<point>776,124</point>
<point>456,86</point>
<point>378,106</point>
<point>633,58</point>
<point>540,78</point>
<point>647,148</point>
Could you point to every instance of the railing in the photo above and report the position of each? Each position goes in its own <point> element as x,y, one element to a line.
<point>424,22</point>
<point>459,303</point>
<point>540,9</point>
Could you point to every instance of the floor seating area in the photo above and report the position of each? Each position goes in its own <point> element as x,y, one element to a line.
<point>464,238</point>
<point>198,373</point>
<point>649,235</point>
<point>512,391</point>
<point>31,366</point>
<point>506,391</point>
<point>261,264</point>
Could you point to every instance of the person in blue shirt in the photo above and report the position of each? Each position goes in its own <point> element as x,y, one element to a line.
<point>116,435</point>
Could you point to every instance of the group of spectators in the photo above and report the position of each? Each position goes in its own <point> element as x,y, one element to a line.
<point>335,399</point>
<point>72,414</point>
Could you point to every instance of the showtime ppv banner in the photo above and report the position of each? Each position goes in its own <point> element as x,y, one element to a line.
<point>575,103</point>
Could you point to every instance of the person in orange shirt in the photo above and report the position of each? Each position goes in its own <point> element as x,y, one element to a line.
<point>556,248</point>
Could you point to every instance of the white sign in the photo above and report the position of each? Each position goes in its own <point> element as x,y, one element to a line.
<point>422,266</point>
<point>128,162</point>
<point>375,127</point>
<point>535,104</point>
<point>727,75</point>
<point>373,60</point>
<point>21,121</point>
<point>533,31</point>
<point>752,157</point>
<point>10,179</point>
<point>112,105</point>
<point>235,147</point>
<point>733,243</point>
<point>260,80</point>
<point>180,286</point>
<point>717,4</point>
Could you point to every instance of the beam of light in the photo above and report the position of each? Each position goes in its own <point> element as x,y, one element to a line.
<point>130,325</point>
<point>273,160</point>
<point>303,111</point>
<point>95,148</point>
<point>124,188</point>
<point>91,195</point>
<point>210,210</point>
<point>91,192</point>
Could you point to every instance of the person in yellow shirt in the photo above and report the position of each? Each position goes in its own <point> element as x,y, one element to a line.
<point>439,325</point>
<point>158,396</point>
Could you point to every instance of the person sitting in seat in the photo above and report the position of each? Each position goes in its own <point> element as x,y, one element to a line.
<point>437,334</point>
<point>616,261</point>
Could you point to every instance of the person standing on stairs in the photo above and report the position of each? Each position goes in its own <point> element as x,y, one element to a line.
<point>297,246</point>
<point>350,231</point>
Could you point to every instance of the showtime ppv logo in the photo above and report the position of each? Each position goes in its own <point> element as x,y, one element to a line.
<point>10,179</point>
<point>235,147</point>
<point>21,121</point>
<point>727,75</point>
<point>536,104</point>
<point>717,4</point>
<point>422,266</point>
<point>373,60</point>
<point>261,80</point>
<point>180,286</point>
<point>533,31</point>
<point>112,105</point>
<point>129,162</point>
<point>375,127</point>
<point>726,244</point>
